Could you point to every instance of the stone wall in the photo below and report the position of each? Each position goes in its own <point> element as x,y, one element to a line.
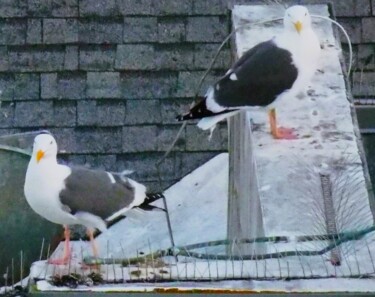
<point>107,77</point>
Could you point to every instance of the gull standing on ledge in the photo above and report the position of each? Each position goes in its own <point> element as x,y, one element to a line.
<point>73,195</point>
<point>267,73</point>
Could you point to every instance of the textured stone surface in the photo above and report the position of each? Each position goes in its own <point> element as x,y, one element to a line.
<point>166,7</point>
<point>135,57</point>
<point>366,59</point>
<point>6,114</point>
<point>206,29</point>
<point>13,31</point>
<point>4,61</point>
<point>137,7</point>
<point>98,8</point>
<point>103,85</point>
<point>97,57</point>
<point>171,30</point>
<point>34,114</point>
<point>197,140</point>
<point>148,85</point>
<point>142,112</point>
<point>353,26</point>
<point>34,31</point>
<point>174,57</point>
<point>351,8</point>
<point>64,113</point>
<point>100,31</point>
<point>60,31</point>
<point>71,58</point>
<point>139,139</point>
<point>26,86</point>
<point>36,59</point>
<point>210,7</point>
<point>52,8</point>
<point>100,113</point>
<point>140,29</point>
<point>368,32</point>
<point>13,8</point>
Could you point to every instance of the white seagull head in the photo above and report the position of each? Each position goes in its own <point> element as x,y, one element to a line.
<point>45,147</point>
<point>297,19</point>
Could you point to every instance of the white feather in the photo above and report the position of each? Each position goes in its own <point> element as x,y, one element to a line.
<point>209,122</point>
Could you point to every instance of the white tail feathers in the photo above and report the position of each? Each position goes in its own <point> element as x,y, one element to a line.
<point>210,122</point>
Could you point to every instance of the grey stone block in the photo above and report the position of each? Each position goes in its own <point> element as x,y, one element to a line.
<point>71,57</point>
<point>142,112</point>
<point>364,84</point>
<point>368,32</point>
<point>4,61</point>
<point>366,56</point>
<point>71,85</point>
<point>107,162</point>
<point>13,8</point>
<point>57,31</point>
<point>98,140</point>
<point>210,7</point>
<point>148,85</point>
<point>103,85</point>
<point>167,135</point>
<point>6,114</point>
<point>64,113</point>
<point>171,108</point>
<point>101,113</point>
<point>34,31</point>
<point>353,26</point>
<point>136,7</point>
<point>100,31</point>
<point>53,8</point>
<point>174,57</point>
<point>36,59</point>
<point>144,166</point>
<point>26,86</point>
<point>135,57</point>
<point>205,53</point>
<point>188,162</point>
<point>171,30</point>
<point>197,139</point>
<point>64,85</point>
<point>140,29</point>
<point>33,114</point>
<point>351,8</point>
<point>6,86</point>
<point>97,57</point>
<point>98,8</point>
<point>137,139</point>
<point>13,31</point>
<point>206,29</point>
<point>167,7</point>
<point>188,82</point>
<point>48,83</point>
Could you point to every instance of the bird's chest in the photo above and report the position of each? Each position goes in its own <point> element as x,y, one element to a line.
<point>42,189</point>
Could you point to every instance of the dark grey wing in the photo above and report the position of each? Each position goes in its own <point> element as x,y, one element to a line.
<point>261,74</point>
<point>93,191</point>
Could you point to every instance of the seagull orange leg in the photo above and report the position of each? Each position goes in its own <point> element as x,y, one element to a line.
<point>66,254</point>
<point>90,233</point>
<point>281,132</point>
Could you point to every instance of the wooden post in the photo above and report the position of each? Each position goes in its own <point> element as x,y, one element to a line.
<point>244,208</point>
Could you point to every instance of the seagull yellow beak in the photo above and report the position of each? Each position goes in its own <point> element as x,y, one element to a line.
<point>298,26</point>
<point>39,155</point>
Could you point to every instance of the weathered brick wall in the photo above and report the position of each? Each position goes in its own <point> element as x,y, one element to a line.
<point>109,76</point>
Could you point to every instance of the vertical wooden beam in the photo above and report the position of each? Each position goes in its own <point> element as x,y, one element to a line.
<point>244,209</point>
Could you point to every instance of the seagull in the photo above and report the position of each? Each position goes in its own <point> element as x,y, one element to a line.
<point>68,195</point>
<point>271,71</point>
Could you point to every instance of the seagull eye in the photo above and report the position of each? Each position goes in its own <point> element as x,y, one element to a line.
<point>51,142</point>
<point>305,13</point>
